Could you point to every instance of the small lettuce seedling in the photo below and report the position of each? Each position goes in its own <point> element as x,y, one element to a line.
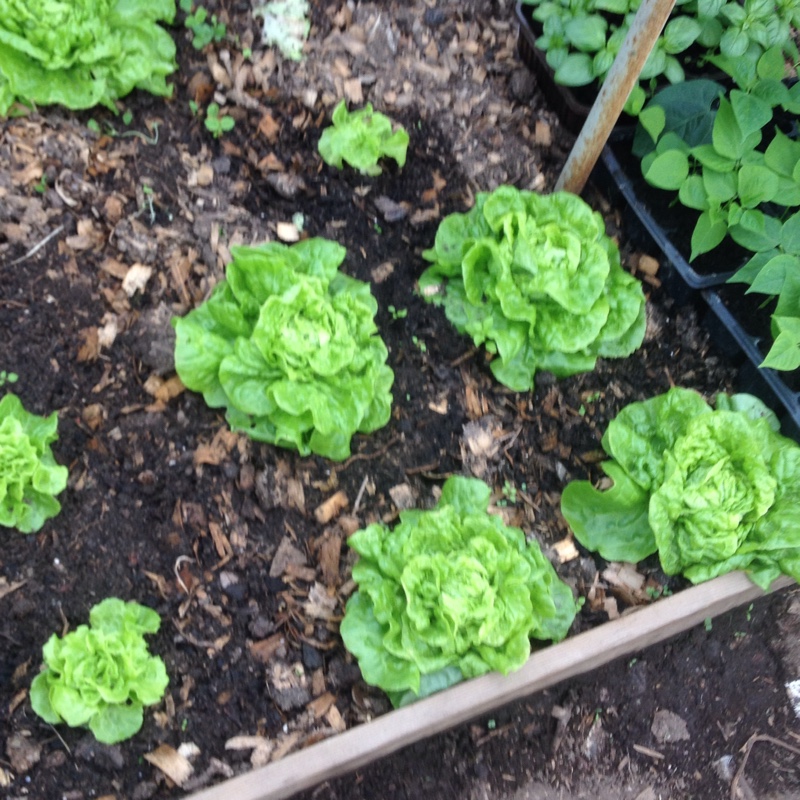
<point>535,278</point>
<point>450,593</point>
<point>29,475</point>
<point>288,345</point>
<point>710,489</point>
<point>102,676</point>
<point>362,138</point>
<point>83,53</point>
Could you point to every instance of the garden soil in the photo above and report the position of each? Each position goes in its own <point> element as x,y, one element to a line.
<point>109,229</point>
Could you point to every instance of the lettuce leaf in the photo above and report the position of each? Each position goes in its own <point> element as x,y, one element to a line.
<point>450,593</point>
<point>536,279</point>
<point>288,345</point>
<point>81,53</point>
<point>29,475</point>
<point>710,490</point>
<point>362,138</point>
<point>102,676</point>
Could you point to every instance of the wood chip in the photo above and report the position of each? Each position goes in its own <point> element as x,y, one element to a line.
<point>646,751</point>
<point>331,508</point>
<point>171,763</point>
<point>265,649</point>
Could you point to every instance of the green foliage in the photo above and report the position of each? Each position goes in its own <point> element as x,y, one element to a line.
<point>581,38</point>
<point>81,53</point>
<point>362,138</point>
<point>450,593</point>
<point>102,676</point>
<point>204,31</point>
<point>537,280</point>
<point>286,26</point>
<point>287,345</point>
<point>726,157</point>
<point>218,124</point>
<point>710,490</point>
<point>29,475</point>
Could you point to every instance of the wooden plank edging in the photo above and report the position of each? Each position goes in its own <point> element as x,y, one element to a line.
<point>358,746</point>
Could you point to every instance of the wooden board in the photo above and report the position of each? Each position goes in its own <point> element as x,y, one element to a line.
<point>579,654</point>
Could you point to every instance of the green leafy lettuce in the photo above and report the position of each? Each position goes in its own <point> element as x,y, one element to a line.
<point>102,676</point>
<point>29,475</point>
<point>535,278</point>
<point>81,53</point>
<point>362,138</point>
<point>710,490</point>
<point>449,594</point>
<point>288,345</point>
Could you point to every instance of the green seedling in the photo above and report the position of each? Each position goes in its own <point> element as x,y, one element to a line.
<point>8,377</point>
<point>203,31</point>
<point>423,348</point>
<point>218,124</point>
<point>398,313</point>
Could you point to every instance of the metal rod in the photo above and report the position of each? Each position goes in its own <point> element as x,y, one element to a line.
<point>621,78</point>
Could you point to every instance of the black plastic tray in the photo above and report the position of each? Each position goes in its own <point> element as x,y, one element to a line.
<point>571,106</point>
<point>666,221</point>
<point>744,347</point>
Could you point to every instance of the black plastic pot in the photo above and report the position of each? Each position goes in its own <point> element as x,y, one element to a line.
<point>738,323</point>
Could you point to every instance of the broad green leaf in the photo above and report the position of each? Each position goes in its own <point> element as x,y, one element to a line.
<point>708,156</point>
<point>790,234</point>
<point>772,64</point>
<point>727,137</point>
<point>756,185</point>
<point>613,522</point>
<point>587,33</point>
<point>680,33</point>
<point>751,114</point>
<point>669,170</point>
<point>707,234</point>
<point>692,193</point>
<point>782,154</point>
<point>719,186</point>
<point>652,119</point>
<point>655,64</point>
<point>772,276</point>
<point>785,351</point>
<point>756,231</point>
<point>748,272</point>
<point>575,70</point>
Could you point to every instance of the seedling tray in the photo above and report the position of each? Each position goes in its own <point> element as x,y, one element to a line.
<point>668,224</point>
<point>571,105</point>
<point>724,320</point>
<point>575,656</point>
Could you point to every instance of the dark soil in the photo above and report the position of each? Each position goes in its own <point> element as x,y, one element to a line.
<point>166,507</point>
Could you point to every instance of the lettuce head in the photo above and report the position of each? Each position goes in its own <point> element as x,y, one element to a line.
<point>710,490</point>
<point>102,675</point>
<point>537,280</point>
<point>450,593</point>
<point>289,346</point>
<point>30,478</point>
<point>83,53</point>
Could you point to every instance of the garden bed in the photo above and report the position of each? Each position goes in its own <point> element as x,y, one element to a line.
<point>228,539</point>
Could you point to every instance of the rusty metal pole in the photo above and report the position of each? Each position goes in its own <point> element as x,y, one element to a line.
<point>621,78</point>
